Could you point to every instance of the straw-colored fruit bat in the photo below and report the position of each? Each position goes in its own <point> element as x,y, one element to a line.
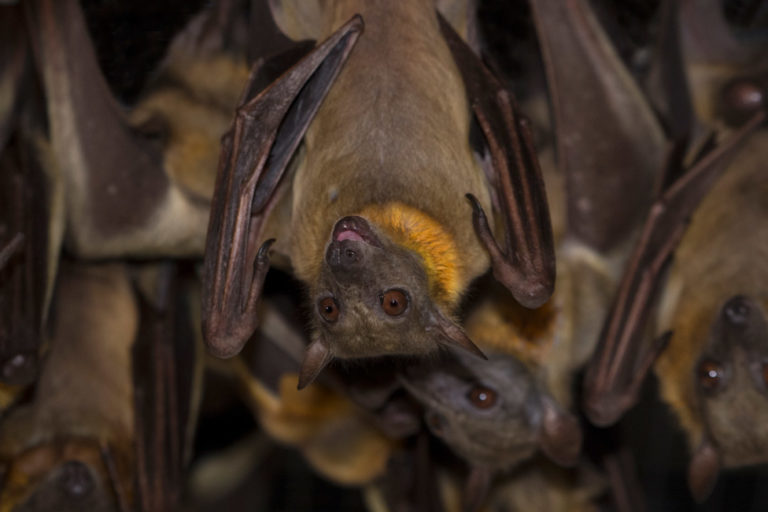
<point>71,448</point>
<point>108,179</point>
<point>135,184</point>
<point>709,311</point>
<point>497,413</point>
<point>109,426</point>
<point>372,212</point>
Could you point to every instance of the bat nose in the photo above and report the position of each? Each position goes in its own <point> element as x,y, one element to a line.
<point>736,310</point>
<point>344,256</point>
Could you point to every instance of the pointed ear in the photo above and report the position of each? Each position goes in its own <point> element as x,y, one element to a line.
<point>476,489</point>
<point>560,434</point>
<point>703,470</point>
<point>316,358</point>
<point>450,334</point>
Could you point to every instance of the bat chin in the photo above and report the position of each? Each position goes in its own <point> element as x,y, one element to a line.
<point>355,228</point>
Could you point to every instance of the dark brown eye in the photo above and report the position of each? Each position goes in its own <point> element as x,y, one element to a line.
<point>482,397</point>
<point>394,302</point>
<point>328,309</point>
<point>710,375</point>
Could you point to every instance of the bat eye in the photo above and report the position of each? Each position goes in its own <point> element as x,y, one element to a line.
<point>482,397</point>
<point>710,375</point>
<point>76,479</point>
<point>394,302</point>
<point>328,309</point>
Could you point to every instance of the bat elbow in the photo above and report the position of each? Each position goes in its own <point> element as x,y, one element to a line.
<point>536,293</point>
<point>223,342</point>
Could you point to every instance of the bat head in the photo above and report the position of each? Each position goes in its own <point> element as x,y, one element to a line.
<point>65,477</point>
<point>374,297</point>
<point>731,379</point>
<point>493,413</point>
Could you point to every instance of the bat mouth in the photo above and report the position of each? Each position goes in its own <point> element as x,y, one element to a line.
<point>356,229</point>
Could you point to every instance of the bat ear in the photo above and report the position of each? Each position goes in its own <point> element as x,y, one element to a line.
<point>316,358</point>
<point>450,334</point>
<point>703,470</point>
<point>476,488</point>
<point>560,434</point>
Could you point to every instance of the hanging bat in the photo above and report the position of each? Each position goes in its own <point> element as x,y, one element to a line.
<point>114,405</point>
<point>710,312</point>
<point>70,448</point>
<point>495,414</point>
<point>618,368</point>
<point>713,372</point>
<point>624,355</point>
<point>136,184</point>
<point>370,214</point>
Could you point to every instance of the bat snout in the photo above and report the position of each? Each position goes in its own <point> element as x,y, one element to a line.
<point>345,256</point>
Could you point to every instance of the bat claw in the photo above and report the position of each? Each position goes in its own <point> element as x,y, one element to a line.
<point>531,289</point>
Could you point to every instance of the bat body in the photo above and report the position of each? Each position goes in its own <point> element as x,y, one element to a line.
<point>712,373</point>
<point>384,250</point>
<point>369,190</point>
<point>135,184</point>
<point>55,446</point>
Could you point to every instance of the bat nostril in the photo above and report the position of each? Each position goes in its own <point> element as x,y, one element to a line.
<point>76,479</point>
<point>736,310</point>
<point>436,423</point>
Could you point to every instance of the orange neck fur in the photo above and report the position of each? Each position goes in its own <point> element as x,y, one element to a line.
<point>420,233</point>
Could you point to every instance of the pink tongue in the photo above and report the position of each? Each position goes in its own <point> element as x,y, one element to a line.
<point>348,234</point>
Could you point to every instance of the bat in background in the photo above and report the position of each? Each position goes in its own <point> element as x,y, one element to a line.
<point>496,415</point>
<point>696,309</point>
<point>369,214</point>
<point>713,373</point>
<point>71,447</point>
<point>135,184</point>
<point>111,421</point>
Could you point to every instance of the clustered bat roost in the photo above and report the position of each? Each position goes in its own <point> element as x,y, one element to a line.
<point>326,240</point>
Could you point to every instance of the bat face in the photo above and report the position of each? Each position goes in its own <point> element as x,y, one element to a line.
<point>488,414</point>
<point>64,476</point>
<point>732,382</point>
<point>373,295</point>
<point>494,413</point>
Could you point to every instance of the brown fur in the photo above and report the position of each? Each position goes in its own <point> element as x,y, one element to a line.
<point>410,141</point>
<point>84,398</point>
<point>732,218</point>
